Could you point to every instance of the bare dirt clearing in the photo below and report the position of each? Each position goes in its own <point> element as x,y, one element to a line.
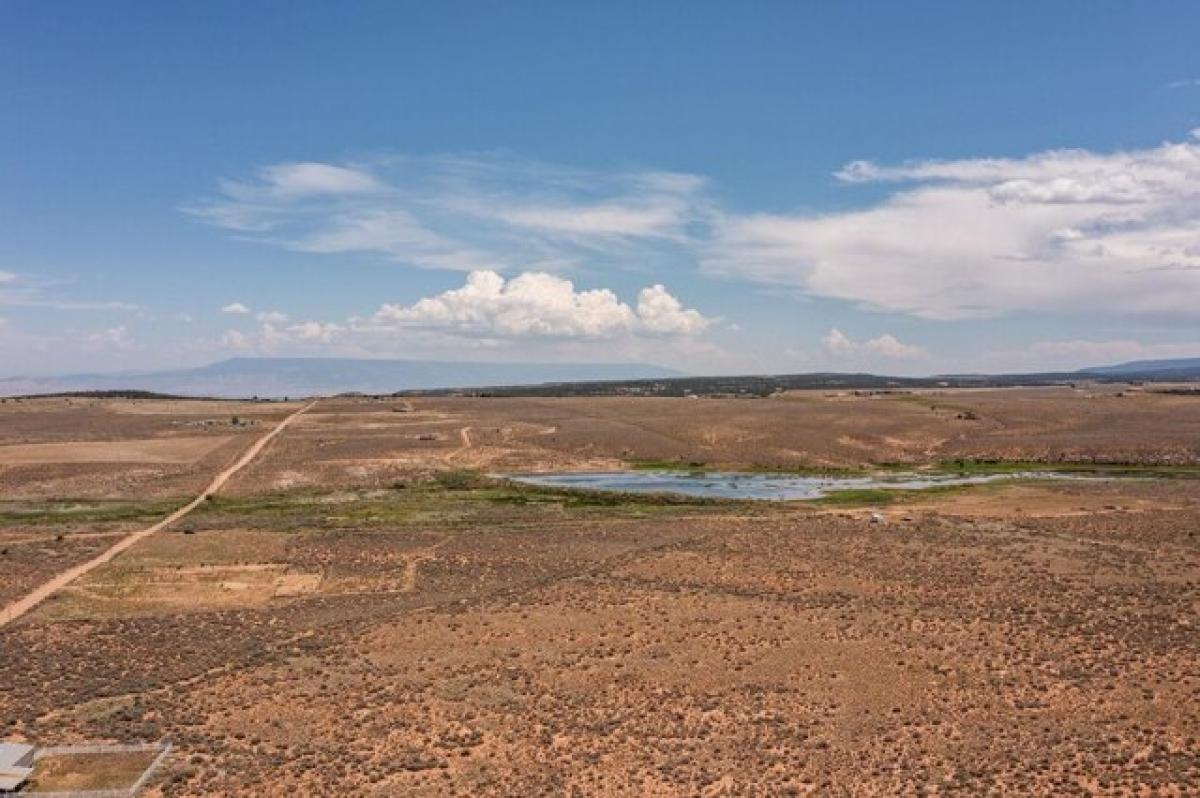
<point>164,450</point>
<point>118,448</point>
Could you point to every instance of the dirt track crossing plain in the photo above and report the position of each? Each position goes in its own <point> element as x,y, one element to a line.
<point>363,608</point>
<point>16,609</point>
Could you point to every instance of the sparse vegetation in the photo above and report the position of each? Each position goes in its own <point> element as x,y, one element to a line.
<point>365,612</point>
<point>1081,468</point>
<point>458,479</point>
<point>82,511</point>
<point>859,496</point>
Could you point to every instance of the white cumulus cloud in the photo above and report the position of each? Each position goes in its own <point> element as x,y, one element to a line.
<point>312,332</point>
<point>540,316</point>
<point>886,345</point>
<point>1091,234</point>
<point>113,338</point>
<point>234,339</point>
<point>535,304</point>
<point>272,337</point>
<point>236,308</point>
<point>659,312</point>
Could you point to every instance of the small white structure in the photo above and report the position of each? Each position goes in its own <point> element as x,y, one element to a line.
<point>16,764</point>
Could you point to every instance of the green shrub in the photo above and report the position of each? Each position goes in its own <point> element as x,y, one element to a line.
<point>457,480</point>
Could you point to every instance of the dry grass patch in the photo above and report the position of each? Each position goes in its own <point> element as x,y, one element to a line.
<point>200,588</point>
<point>177,572</point>
<point>107,771</point>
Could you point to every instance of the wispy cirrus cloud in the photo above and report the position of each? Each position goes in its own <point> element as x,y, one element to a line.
<point>1185,83</point>
<point>275,194</point>
<point>1061,231</point>
<point>300,180</point>
<point>24,291</point>
<point>461,213</point>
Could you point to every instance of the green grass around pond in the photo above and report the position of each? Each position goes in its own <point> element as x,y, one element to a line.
<point>981,467</point>
<point>866,497</point>
<point>573,498</point>
<point>83,511</point>
<point>472,485</point>
<point>964,466</point>
<point>858,496</point>
<point>458,496</point>
<point>702,467</point>
<point>443,500</point>
<point>651,464</point>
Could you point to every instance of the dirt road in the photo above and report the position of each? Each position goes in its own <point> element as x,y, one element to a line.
<point>23,605</point>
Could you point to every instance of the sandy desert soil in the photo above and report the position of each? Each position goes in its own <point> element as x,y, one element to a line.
<point>362,614</point>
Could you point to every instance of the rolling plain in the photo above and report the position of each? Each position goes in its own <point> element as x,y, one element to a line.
<point>367,608</point>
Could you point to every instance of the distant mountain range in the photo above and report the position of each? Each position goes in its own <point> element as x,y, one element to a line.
<point>277,377</point>
<point>1184,368</point>
<point>766,384</point>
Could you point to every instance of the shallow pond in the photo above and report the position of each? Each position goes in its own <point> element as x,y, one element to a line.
<point>765,487</point>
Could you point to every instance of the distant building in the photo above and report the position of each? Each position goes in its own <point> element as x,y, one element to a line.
<point>16,764</point>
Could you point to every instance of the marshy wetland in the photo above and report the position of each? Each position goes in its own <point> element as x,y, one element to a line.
<point>751,486</point>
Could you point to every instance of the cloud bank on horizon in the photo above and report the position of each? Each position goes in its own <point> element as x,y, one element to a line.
<point>1113,235</point>
<point>489,310</point>
<point>1117,233</point>
<point>895,188</point>
<point>1063,231</point>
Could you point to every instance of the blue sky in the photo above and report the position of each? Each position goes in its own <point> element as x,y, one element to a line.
<point>907,188</point>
